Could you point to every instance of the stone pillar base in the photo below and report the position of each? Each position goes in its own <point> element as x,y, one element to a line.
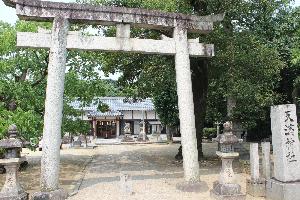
<point>277,190</point>
<point>21,196</point>
<point>59,194</point>
<point>141,137</point>
<point>226,192</point>
<point>191,186</point>
<point>256,189</point>
<point>127,138</point>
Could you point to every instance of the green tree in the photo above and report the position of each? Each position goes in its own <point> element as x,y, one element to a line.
<point>22,79</point>
<point>246,66</point>
<point>23,74</point>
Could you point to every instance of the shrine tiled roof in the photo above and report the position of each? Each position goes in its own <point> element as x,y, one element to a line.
<point>115,106</point>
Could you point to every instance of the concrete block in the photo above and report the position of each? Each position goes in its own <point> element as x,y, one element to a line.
<point>23,196</point>
<point>256,189</point>
<point>227,192</point>
<point>276,190</point>
<point>59,194</point>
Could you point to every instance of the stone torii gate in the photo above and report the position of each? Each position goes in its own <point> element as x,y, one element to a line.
<point>60,39</point>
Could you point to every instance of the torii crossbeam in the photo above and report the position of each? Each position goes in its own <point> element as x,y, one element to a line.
<point>60,39</point>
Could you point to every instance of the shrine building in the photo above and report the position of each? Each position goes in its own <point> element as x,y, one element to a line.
<point>121,110</point>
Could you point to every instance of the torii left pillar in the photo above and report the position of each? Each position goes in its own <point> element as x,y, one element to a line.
<point>53,113</point>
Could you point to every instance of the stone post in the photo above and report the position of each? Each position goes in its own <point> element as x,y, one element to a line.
<point>123,30</point>
<point>266,167</point>
<point>286,154</point>
<point>186,107</point>
<point>94,128</point>
<point>53,112</point>
<point>255,186</point>
<point>118,128</point>
<point>254,162</point>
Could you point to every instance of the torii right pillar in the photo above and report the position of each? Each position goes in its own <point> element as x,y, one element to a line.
<point>186,112</point>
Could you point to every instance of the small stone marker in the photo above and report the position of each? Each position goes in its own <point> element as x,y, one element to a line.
<point>285,185</point>
<point>126,184</point>
<point>266,170</point>
<point>255,186</point>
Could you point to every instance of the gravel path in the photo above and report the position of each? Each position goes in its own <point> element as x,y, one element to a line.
<point>152,174</point>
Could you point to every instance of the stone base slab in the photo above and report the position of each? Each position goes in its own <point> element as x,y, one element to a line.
<point>256,189</point>
<point>22,196</point>
<point>141,138</point>
<point>226,192</point>
<point>277,190</point>
<point>127,138</point>
<point>190,186</point>
<point>53,195</point>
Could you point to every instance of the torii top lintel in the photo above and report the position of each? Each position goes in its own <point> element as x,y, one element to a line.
<point>106,15</point>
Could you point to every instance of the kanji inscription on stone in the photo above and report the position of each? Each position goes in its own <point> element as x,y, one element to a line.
<point>285,143</point>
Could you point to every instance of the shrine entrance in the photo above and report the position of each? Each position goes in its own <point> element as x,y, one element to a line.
<point>106,129</point>
<point>60,39</point>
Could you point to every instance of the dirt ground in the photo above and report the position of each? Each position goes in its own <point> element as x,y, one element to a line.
<point>90,174</point>
<point>73,162</point>
<point>153,174</point>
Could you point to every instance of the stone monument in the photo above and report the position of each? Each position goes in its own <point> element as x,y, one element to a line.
<point>226,187</point>
<point>285,184</point>
<point>12,189</point>
<point>256,186</point>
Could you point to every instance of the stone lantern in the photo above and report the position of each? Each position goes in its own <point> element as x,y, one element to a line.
<point>127,133</point>
<point>12,189</point>
<point>226,187</point>
<point>142,136</point>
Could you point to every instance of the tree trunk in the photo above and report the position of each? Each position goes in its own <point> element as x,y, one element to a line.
<point>199,69</point>
<point>200,85</point>
<point>169,133</point>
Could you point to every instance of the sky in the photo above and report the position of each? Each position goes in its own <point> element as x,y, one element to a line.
<point>8,14</point>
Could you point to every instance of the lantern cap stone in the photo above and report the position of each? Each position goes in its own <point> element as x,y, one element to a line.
<point>227,137</point>
<point>12,142</point>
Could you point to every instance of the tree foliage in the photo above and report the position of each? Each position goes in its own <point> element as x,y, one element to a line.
<point>23,74</point>
<point>248,65</point>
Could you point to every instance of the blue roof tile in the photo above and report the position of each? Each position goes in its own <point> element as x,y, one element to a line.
<point>116,106</point>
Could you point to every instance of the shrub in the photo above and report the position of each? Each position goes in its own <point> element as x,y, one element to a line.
<point>209,133</point>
